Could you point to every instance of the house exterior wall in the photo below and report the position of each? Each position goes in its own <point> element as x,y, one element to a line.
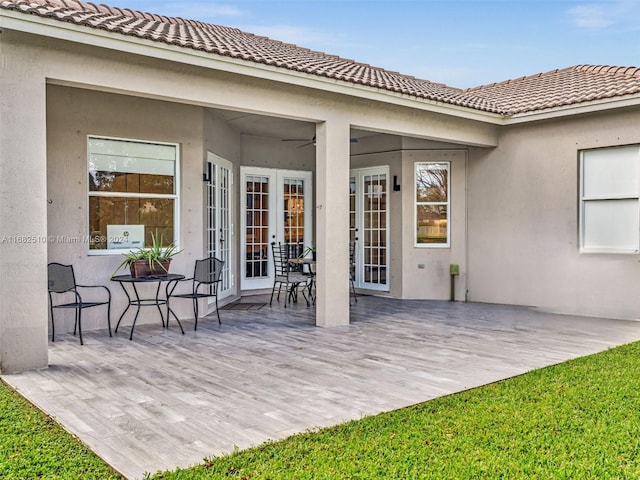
<point>23,215</point>
<point>163,101</point>
<point>385,151</point>
<point>523,220</point>
<point>425,270</point>
<point>72,115</point>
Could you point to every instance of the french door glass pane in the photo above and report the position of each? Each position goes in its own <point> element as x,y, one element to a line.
<point>352,210</point>
<point>257,226</point>
<point>225,227</point>
<point>375,236</point>
<point>219,221</point>
<point>293,210</point>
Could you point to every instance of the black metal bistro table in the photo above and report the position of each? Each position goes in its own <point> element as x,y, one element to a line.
<point>311,263</point>
<point>172,280</point>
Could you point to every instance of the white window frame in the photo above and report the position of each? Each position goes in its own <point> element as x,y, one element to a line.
<point>175,196</point>
<point>585,199</point>
<point>416,203</point>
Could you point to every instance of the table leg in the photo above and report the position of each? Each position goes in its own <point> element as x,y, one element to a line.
<point>133,325</point>
<point>168,291</point>
<point>158,304</point>
<point>126,308</point>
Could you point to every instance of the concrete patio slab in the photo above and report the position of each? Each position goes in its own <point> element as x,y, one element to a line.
<point>166,400</point>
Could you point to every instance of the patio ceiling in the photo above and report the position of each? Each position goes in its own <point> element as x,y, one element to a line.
<point>274,127</point>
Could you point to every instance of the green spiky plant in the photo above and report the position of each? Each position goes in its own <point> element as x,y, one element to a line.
<point>155,255</point>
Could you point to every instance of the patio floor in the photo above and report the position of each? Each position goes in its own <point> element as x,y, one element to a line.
<point>166,400</point>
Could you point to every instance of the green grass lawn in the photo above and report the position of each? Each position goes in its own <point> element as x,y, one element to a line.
<point>34,446</point>
<point>579,419</point>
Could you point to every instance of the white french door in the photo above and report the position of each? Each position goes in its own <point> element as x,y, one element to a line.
<point>219,222</point>
<point>369,226</point>
<point>276,207</point>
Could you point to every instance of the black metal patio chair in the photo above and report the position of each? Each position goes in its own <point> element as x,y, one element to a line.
<point>62,280</point>
<point>287,274</point>
<point>205,283</point>
<point>352,268</point>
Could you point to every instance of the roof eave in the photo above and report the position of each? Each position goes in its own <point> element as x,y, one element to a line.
<point>575,109</point>
<point>33,24</point>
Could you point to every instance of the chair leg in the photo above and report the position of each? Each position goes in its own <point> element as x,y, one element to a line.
<point>80,325</point>
<point>217,309</point>
<point>272,292</point>
<point>353,288</point>
<point>53,324</point>
<point>75,325</point>
<point>195,312</point>
<point>287,294</point>
<point>109,317</point>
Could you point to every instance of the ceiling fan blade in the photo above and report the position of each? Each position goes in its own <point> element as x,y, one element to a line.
<point>294,140</point>
<point>353,140</point>
<point>306,144</point>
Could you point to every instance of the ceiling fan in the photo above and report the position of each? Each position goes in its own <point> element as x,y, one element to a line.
<point>310,141</point>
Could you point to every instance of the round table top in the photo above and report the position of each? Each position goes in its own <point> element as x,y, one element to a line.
<point>154,278</point>
<point>308,261</point>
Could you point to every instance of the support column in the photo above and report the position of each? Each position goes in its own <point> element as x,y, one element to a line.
<point>332,223</point>
<point>23,214</point>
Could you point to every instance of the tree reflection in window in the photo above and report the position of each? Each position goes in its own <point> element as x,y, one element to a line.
<point>432,203</point>
<point>131,183</point>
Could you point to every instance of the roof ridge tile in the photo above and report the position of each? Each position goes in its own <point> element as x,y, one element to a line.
<point>609,70</point>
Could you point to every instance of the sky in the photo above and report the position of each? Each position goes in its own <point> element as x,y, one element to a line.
<point>462,43</point>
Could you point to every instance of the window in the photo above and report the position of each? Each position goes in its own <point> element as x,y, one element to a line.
<point>132,194</point>
<point>432,204</point>
<point>609,191</point>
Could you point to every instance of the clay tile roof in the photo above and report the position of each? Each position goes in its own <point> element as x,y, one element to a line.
<point>537,92</point>
<point>559,88</point>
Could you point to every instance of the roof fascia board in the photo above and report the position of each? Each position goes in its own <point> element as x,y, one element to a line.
<point>42,26</point>
<point>568,110</point>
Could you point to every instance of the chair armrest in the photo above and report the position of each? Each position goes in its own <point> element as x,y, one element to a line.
<point>169,289</point>
<point>96,286</point>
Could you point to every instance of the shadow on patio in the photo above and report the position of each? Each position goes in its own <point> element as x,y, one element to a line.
<point>166,400</point>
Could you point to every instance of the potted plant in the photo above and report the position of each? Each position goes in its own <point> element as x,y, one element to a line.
<point>310,250</point>
<point>152,261</point>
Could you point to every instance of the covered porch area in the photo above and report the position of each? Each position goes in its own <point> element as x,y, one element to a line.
<point>168,400</point>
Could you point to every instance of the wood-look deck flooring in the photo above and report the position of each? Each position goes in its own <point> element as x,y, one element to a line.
<point>166,400</point>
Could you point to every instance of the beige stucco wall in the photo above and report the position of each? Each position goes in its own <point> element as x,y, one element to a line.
<point>425,270</point>
<point>72,115</point>
<point>523,220</point>
<point>169,107</point>
<point>23,218</point>
<point>385,151</point>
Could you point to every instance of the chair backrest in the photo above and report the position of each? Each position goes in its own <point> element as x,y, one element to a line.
<point>60,278</point>
<point>281,259</point>
<point>208,270</point>
<point>294,250</point>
